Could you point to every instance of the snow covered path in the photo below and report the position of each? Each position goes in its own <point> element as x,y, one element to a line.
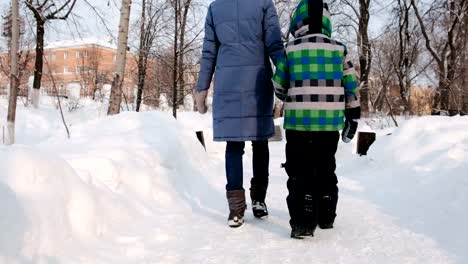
<point>136,189</point>
<point>362,234</point>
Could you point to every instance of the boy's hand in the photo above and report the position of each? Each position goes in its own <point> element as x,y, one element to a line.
<point>349,130</point>
<point>200,99</point>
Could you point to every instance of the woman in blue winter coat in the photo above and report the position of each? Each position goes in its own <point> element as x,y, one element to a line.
<point>241,36</point>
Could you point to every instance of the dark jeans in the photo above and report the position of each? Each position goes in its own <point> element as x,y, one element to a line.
<point>312,183</point>
<point>234,168</point>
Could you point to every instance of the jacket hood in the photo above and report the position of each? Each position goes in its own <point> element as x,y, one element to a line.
<point>311,17</point>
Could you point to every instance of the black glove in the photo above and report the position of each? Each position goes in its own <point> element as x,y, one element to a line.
<point>351,124</point>
<point>349,130</point>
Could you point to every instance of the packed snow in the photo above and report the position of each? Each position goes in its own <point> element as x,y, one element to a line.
<point>140,188</point>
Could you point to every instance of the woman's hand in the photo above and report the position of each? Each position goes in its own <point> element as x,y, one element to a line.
<point>200,99</point>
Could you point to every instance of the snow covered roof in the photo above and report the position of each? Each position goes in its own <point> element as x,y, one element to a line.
<point>107,43</point>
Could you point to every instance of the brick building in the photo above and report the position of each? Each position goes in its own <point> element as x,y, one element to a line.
<point>88,62</point>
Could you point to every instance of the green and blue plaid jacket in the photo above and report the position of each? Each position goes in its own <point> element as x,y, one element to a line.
<point>314,77</point>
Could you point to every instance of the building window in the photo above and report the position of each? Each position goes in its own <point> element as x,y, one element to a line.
<point>114,58</point>
<point>80,69</point>
<point>65,69</point>
<point>85,54</point>
<point>78,54</point>
<point>51,56</point>
<point>65,55</point>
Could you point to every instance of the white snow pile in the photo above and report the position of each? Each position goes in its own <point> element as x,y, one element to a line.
<point>419,174</point>
<point>61,199</point>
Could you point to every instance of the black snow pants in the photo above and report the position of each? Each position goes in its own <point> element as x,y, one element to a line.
<point>312,184</point>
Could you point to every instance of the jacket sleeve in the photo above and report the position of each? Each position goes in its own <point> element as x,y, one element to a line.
<point>350,83</point>
<point>272,32</point>
<point>209,54</point>
<point>281,77</point>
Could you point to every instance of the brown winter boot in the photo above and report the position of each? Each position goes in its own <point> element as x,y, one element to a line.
<point>237,206</point>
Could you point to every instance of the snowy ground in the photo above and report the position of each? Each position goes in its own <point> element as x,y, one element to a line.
<point>139,188</point>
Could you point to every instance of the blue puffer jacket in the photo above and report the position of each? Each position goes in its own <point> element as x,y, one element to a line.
<point>240,38</point>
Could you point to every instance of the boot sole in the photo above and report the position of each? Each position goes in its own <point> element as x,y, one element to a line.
<point>326,226</point>
<point>302,236</point>
<point>260,214</point>
<point>233,224</point>
<point>298,237</point>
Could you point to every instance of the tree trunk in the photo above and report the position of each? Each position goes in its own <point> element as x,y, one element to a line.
<point>404,94</point>
<point>464,92</point>
<point>404,63</point>
<point>465,102</point>
<point>441,94</point>
<point>365,55</point>
<point>464,72</point>
<point>181,78</point>
<point>378,104</point>
<point>451,64</point>
<point>14,81</point>
<point>39,65</point>
<point>176,56</point>
<point>116,90</point>
<point>141,57</point>
<point>436,102</point>
<point>445,97</point>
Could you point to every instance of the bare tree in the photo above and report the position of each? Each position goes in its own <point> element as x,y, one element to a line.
<point>24,54</point>
<point>177,14</point>
<point>461,79</point>
<point>402,51</point>
<point>57,94</point>
<point>353,17</point>
<point>365,53</point>
<point>383,72</point>
<point>444,47</point>
<point>142,59</point>
<point>181,47</point>
<point>407,53</point>
<point>161,76</point>
<point>15,35</point>
<point>116,90</point>
<point>285,10</point>
<point>91,72</point>
<point>45,11</point>
<point>152,24</point>
<point>182,51</point>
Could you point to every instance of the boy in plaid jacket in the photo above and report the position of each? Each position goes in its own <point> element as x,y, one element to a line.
<point>319,86</point>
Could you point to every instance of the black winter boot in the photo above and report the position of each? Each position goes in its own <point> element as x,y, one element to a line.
<point>237,206</point>
<point>300,232</point>
<point>327,211</point>
<point>259,207</point>
<point>310,213</point>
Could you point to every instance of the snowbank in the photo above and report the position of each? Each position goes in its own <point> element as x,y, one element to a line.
<point>33,179</point>
<point>64,196</point>
<point>419,174</point>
